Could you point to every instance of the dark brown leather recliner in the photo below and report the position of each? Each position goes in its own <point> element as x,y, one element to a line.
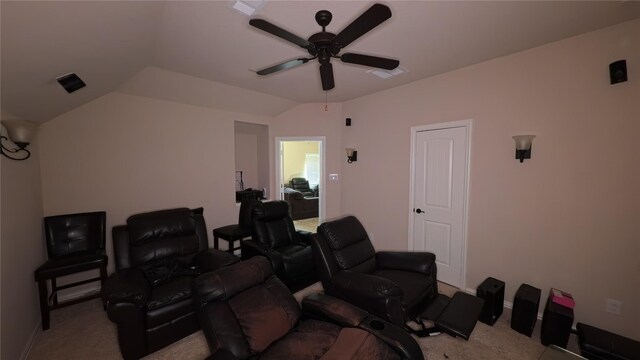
<point>397,286</point>
<point>157,255</point>
<point>288,250</point>
<point>247,313</point>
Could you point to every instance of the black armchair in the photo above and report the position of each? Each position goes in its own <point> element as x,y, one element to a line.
<point>302,185</point>
<point>238,326</point>
<point>397,286</point>
<point>149,296</point>
<point>288,250</point>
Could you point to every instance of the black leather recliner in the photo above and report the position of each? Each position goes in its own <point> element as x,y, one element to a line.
<point>302,185</point>
<point>247,313</point>
<point>288,250</point>
<point>397,286</point>
<point>157,255</point>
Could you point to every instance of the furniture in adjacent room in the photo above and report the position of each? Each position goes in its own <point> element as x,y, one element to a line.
<point>239,231</point>
<point>397,286</point>
<point>288,250</point>
<point>302,185</point>
<point>157,255</point>
<point>525,309</point>
<point>301,207</point>
<point>75,243</point>
<point>599,344</point>
<point>237,326</point>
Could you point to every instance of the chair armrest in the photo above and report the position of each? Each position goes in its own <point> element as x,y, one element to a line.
<point>304,236</point>
<point>212,259</point>
<point>126,286</point>
<point>251,248</point>
<point>330,308</point>
<point>394,336</point>
<point>222,354</point>
<point>422,262</point>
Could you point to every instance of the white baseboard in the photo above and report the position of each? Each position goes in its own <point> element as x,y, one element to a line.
<point>70,295</point>
<point>32,340</point>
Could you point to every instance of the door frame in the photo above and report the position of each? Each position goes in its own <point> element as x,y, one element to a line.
<point>322,152</point>
<point>468,124</point>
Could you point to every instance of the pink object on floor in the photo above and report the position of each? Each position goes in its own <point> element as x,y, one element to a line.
<point>562,298</point>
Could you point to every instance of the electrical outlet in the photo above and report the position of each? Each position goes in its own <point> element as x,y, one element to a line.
<point>613,306</point>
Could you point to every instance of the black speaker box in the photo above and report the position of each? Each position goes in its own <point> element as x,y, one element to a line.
<point>556,324</point>
<point>492,292</point>
<point>525,309</point>
<point>618,71</point>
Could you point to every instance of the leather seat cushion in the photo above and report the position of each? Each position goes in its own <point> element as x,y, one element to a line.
<point>310,340</point>
<point>415,286</point>
<point>71,264</point>
<point>170,292</point>
<point>358,344</point>
<point>171,312</point>
<point>296,257</point>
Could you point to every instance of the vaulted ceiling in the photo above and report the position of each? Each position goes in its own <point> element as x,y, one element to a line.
<point>161,49</point>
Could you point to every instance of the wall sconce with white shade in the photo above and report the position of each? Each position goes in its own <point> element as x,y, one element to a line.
<point>523,146</point>
<point>20,133</point>
<point>352,155</point>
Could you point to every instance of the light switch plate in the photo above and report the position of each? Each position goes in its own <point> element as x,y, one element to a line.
<point>333,177</point>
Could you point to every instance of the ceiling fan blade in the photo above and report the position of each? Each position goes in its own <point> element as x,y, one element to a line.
<point>326,75</point>
<point>283,66</point>
<point>367,60</point>
<point>279,32</point>
<point>371,18</point>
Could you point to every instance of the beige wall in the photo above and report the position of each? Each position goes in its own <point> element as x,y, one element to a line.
<point>566,218</point>
<point>22,251</point>
<point>252,154</point>
<point>294,157</point>
<point>126,154</point>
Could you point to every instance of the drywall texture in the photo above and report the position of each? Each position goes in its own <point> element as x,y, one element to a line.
<point>23,250</point>
<point>252,154</point>
<point>566,218</point>
<point>126,154</point>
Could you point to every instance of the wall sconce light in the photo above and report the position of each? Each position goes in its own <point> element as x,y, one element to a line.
<point>523,146</point>
<point>352,155</point>
<point>20,133</point>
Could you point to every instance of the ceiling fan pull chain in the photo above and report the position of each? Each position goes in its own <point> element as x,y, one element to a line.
<point>326,106</point>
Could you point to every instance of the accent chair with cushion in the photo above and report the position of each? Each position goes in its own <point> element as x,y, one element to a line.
<point>157,255</point>
<point>247,313</point>
<point>288,250</point>
<point>397,286</point>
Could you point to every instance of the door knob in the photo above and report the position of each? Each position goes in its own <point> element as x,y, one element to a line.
<point>419,211</point>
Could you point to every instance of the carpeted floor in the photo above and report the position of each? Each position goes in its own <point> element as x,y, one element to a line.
<point>83,331</point>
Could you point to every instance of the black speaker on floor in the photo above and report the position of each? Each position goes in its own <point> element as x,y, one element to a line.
<point>525,309</point>
<point>492,292</point>
<point>618,71</point>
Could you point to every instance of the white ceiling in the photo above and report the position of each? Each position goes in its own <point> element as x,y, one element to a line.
<point>109,44</point>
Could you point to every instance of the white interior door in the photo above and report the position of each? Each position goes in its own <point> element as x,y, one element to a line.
<point>439,199</point>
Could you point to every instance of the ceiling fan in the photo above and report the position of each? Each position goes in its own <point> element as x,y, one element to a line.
<point>325,45</point>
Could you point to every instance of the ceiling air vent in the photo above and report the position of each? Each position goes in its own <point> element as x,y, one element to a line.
<point>71,82</point>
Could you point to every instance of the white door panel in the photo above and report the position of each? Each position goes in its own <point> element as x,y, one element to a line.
<point>440,173</point>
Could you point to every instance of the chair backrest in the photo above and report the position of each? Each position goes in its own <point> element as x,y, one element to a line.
<point>165,235</point>
<point>244,308</point>
<point>75,233</point>
<point>300,184</point>
<point>272,224</point>
<point>246,210</point>
<point>348,244</point>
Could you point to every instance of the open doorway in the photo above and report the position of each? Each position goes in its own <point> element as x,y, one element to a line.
<point>300,178</point>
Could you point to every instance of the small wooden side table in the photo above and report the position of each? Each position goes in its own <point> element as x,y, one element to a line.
<point>230,233</point>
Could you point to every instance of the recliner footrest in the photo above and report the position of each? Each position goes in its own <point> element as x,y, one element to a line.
<point>596,343</point>
<point>458,316</point>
